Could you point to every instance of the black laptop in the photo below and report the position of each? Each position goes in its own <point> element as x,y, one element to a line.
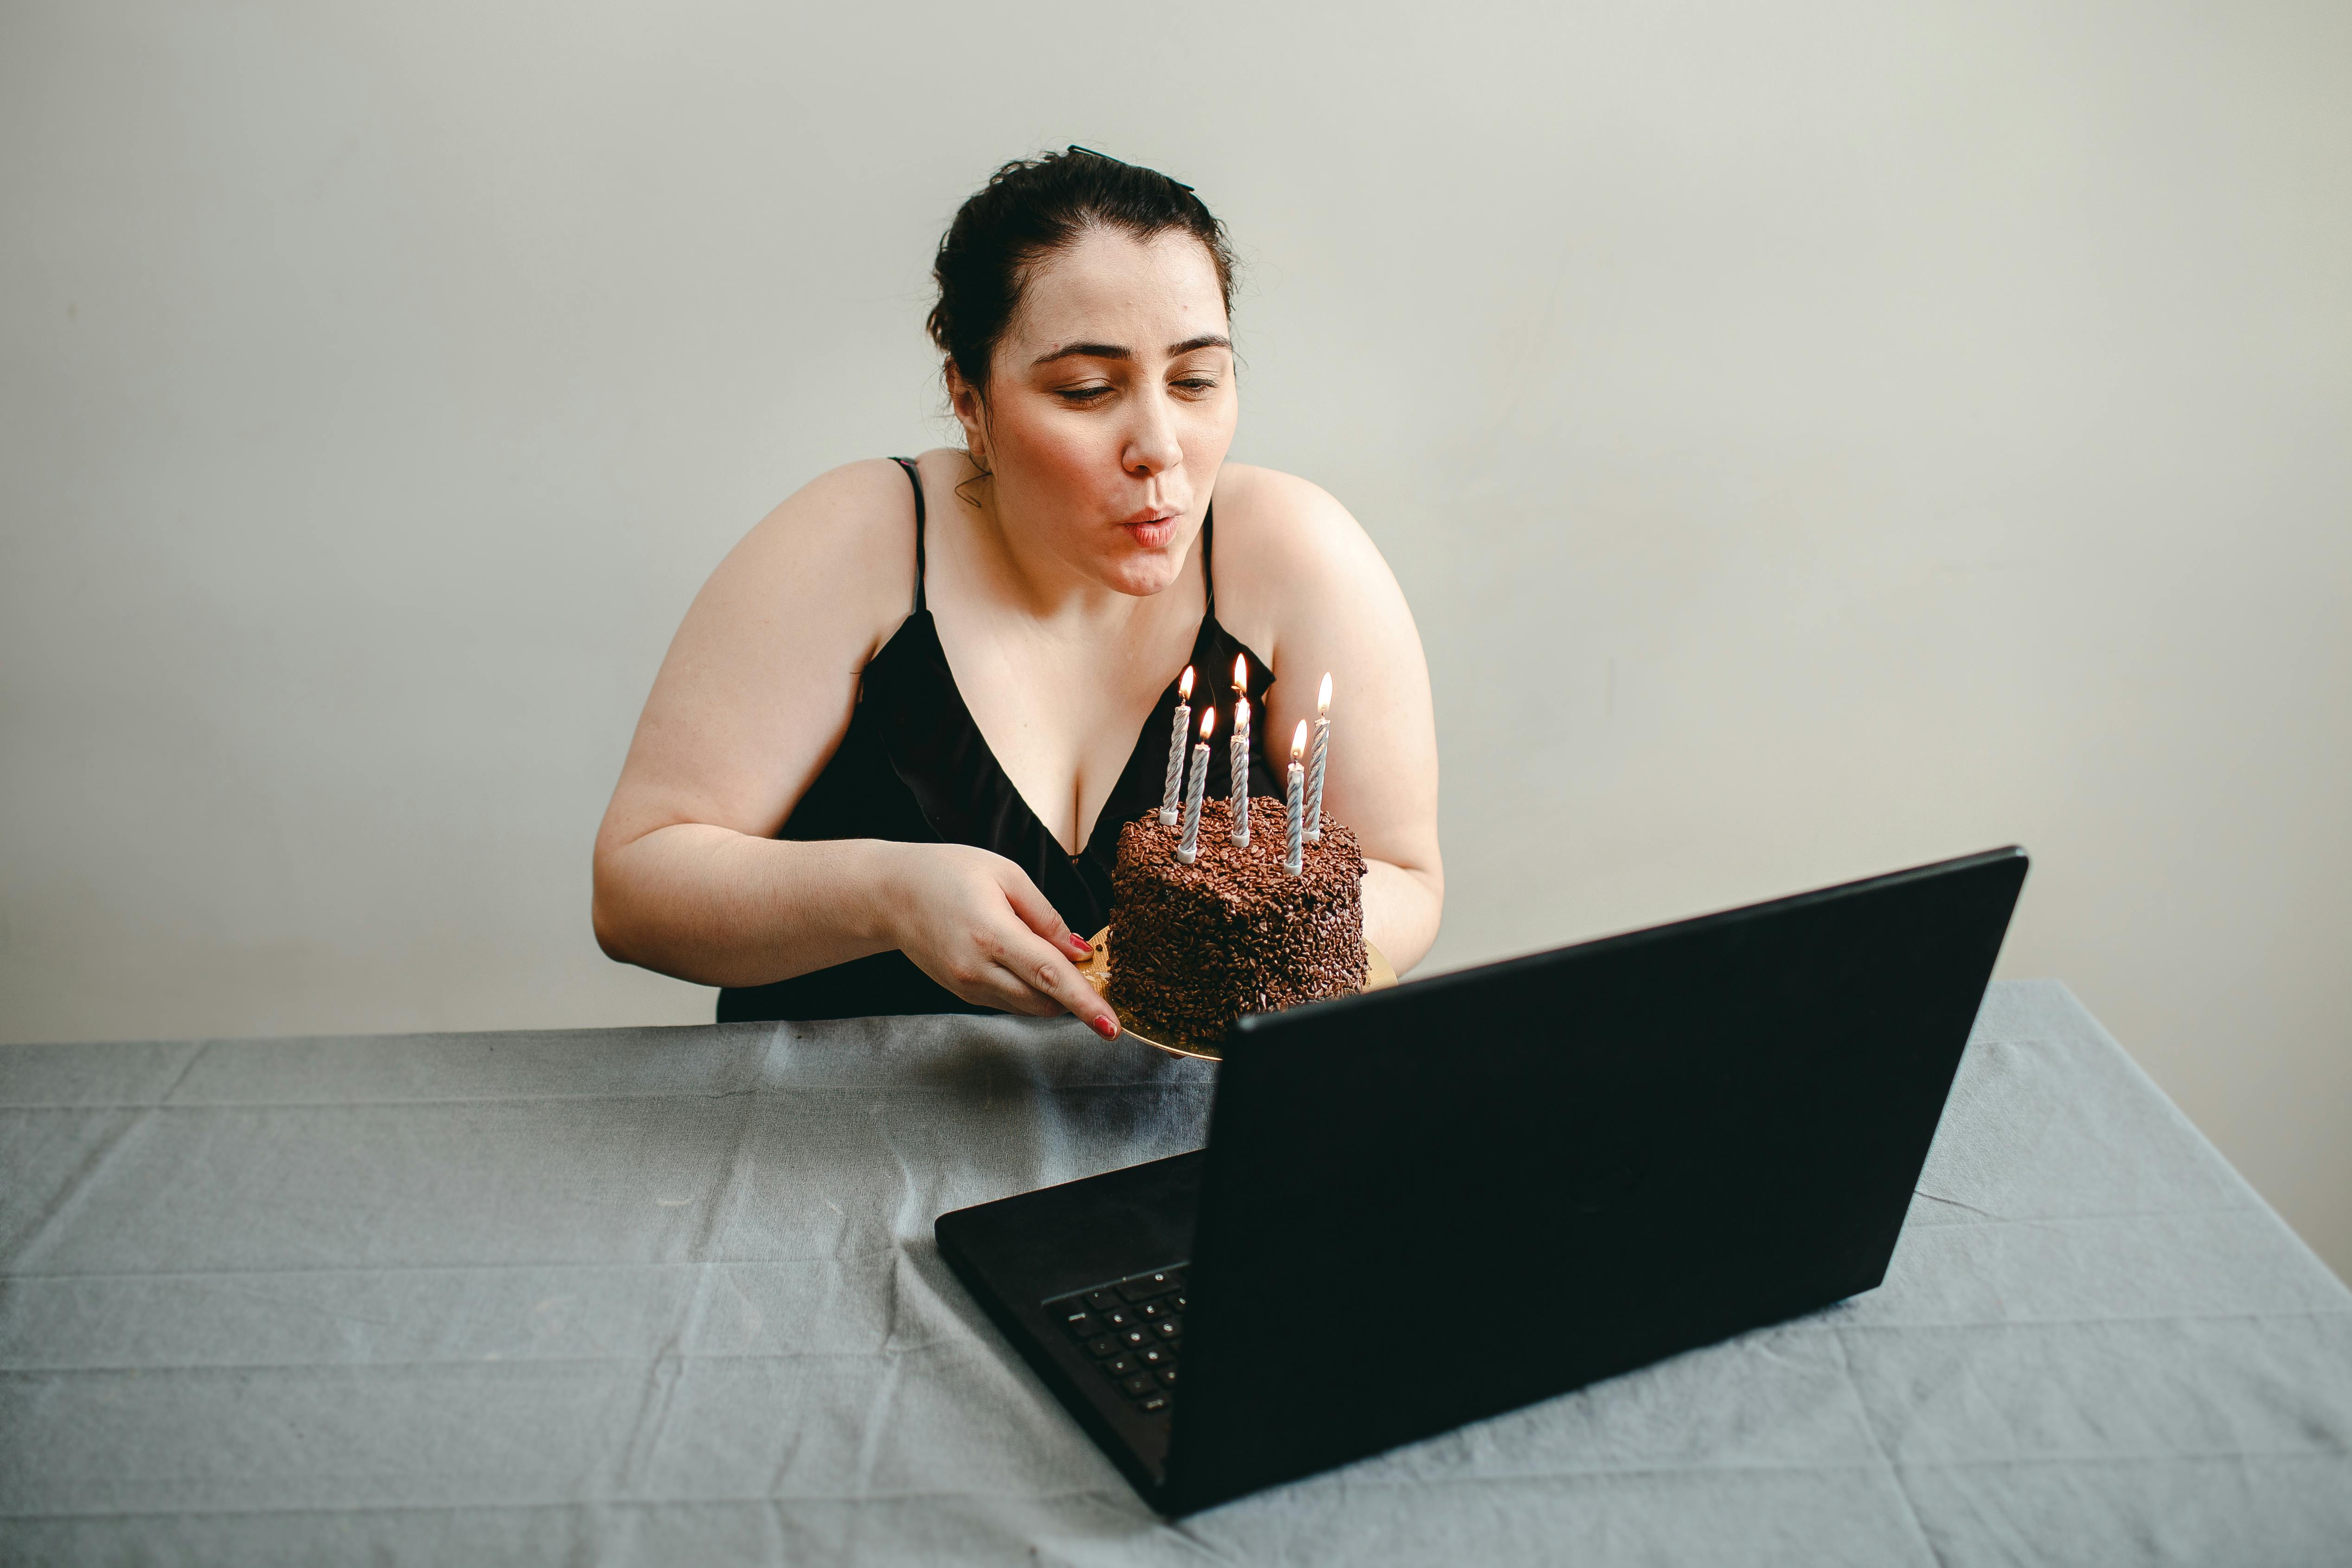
<point>1422,1206</point>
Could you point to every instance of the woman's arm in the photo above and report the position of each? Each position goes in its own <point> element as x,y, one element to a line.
<point>751,701</point>
<point>1298,580</point>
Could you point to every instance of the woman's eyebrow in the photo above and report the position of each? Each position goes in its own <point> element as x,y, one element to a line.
<point>1116,352</point>
<point>1085,351</point>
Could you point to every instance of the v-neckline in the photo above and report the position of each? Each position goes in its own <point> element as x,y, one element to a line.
<point>1201,634</point>
<point>913,710</point>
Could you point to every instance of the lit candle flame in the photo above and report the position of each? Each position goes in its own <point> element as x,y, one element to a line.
<point>1208,722</point>
<point>1323,698</point>
<point>1184,686</point>
<point>1299,735</point>
<point>1240,673</point>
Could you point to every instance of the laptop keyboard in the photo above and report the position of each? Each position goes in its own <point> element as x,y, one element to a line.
<point>1133,1330</point>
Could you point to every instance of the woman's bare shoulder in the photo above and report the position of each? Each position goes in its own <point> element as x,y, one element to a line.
<point>1272,510</point>
<point>1284,544</point>
<point>857,519</point>
<point>762,677</point>
<point>837,553</point>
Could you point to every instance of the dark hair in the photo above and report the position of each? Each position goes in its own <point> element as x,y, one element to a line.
<point>1028,209</point>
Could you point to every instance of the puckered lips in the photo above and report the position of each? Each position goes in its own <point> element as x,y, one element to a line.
<point>1150,526</point>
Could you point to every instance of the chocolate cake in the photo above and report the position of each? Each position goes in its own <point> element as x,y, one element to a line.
<point>1192,947</point>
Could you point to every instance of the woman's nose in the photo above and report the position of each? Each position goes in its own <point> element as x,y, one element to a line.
<point>1153,446</point>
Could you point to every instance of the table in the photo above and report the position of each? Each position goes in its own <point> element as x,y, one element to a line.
<point>666,1295</point>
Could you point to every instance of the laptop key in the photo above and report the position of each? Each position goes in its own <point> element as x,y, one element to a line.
<point>1104,1344</point>
<point>1120,1317</point>
<point>1146,1285</point>
<point>1152,1405</point>
<point>1124,1365</point>
<point>1082,1325</point>
<point>1157,1355</point>
<point>1141,1384</point>
<point>1134,1339</point>
<point>1167,1376</point>
<point>1168,1328</point>
<point>1102,1301</point>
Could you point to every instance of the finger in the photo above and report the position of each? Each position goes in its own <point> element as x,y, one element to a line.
<point>990,984</point>
<point>981,973</point>
<point>1052,976</point>
<point>1017,995</point>
<point>1038,912</point>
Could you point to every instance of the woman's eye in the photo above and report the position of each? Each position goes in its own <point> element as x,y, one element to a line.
<point>1197,383</point>
<point>1082,395</point>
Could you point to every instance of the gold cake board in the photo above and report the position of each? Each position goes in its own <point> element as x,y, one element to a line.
<point>1378,975</point>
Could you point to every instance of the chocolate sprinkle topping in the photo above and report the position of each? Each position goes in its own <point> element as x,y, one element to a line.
<point>1192,947</point>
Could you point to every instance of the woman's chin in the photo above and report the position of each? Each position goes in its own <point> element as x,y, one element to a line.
<point>1141,572</point>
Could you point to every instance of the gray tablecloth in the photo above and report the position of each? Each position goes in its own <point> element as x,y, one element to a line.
<point>670,1295</point>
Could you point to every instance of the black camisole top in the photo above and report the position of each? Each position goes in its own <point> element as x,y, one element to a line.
<point>914,768</point>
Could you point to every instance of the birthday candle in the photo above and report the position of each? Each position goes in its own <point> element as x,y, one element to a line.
<point>1188,849</point>
<point>1294,856</point>
<point>1175,779</point>
<point>1238,757</point>
<point>1315,772</point>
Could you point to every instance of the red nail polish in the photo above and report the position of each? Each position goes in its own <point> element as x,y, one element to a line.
<point>1106,1028</point>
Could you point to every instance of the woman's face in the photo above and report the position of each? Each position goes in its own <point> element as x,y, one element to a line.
<point>1110,406</point>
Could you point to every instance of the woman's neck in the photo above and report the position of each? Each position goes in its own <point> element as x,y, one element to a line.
<point>1003,560</point>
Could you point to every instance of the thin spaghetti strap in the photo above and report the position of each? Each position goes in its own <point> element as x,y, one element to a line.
<point>915,477</point>
<point>1208,541</point>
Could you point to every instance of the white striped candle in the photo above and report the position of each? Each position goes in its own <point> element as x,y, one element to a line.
<point>1182,726</point>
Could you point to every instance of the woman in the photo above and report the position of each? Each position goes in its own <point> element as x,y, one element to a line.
<point>884,764</point>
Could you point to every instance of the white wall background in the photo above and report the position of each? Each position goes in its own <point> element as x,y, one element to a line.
<point>1815,438</point>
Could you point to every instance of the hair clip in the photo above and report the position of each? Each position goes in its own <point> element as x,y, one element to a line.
<point>1074,148</point>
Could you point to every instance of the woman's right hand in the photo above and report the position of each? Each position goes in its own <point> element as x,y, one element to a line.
<point>975,923</point>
